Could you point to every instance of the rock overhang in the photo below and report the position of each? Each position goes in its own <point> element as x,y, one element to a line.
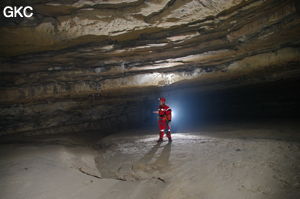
<point>72,50</point>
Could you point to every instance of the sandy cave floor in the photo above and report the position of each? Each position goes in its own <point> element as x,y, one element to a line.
<point>224,161</point>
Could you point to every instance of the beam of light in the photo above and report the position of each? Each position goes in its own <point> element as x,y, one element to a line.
<point>177,114</point>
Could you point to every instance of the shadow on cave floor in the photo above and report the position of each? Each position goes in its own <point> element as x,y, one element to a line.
<point>244,160</point>
<point>160,163</point>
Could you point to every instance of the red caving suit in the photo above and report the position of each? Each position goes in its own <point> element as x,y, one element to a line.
<point>164,114</point>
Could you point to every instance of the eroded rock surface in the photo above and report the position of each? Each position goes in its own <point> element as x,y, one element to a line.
<point>70,51</point>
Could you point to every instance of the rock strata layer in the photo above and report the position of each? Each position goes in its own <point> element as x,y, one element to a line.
<point>72,52</point>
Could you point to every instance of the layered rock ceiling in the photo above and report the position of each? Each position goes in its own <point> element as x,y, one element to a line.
<point>55,64</point>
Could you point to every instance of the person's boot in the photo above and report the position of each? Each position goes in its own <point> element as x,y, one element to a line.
<point>160,140</point>
<point>170,139</point>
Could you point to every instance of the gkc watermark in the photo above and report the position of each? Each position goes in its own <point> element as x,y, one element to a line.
<point>17,11</point>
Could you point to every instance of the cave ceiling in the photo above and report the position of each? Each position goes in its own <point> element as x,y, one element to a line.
<point>83,47</point>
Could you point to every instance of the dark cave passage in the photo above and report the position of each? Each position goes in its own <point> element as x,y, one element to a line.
<point>80,81</point>
<point>272,101</point>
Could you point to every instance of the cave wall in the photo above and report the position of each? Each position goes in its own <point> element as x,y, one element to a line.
<point>87,65</point>
<point>88,114</point>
